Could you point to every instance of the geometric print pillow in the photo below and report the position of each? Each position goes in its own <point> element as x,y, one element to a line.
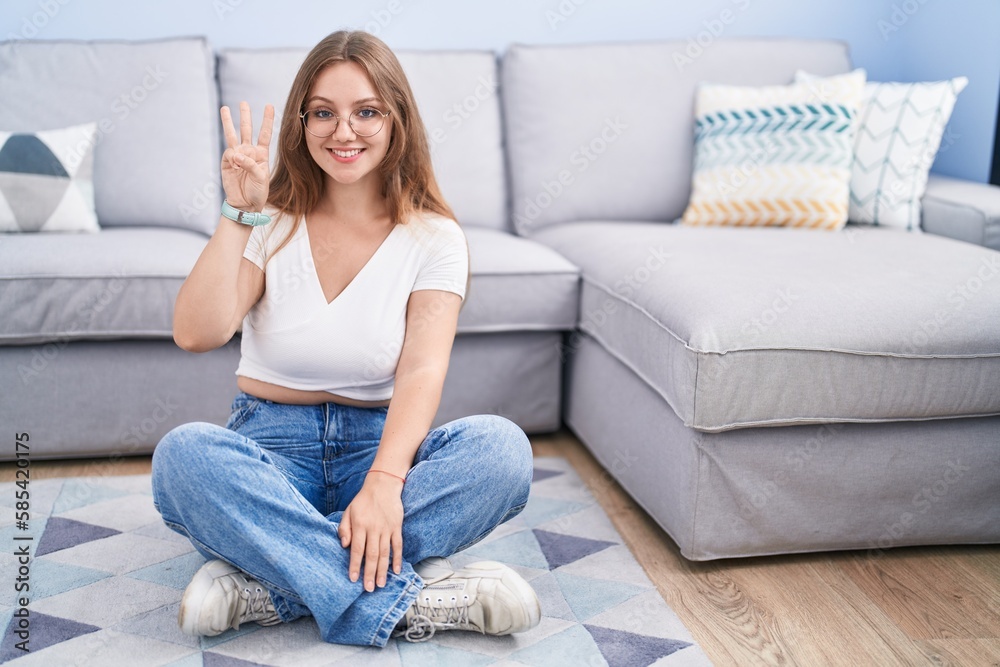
<point>47,181</point>
<point>774,155</point>
<point>899,133</point>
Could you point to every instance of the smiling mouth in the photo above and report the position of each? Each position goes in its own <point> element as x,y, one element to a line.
<point>346,153</point>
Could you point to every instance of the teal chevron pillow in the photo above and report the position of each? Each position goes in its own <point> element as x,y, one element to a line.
<point>774,155</point>
<point>46,180</point>
<point>900,129</point>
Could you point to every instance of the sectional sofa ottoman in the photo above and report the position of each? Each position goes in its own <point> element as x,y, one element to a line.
<point>757,390</point>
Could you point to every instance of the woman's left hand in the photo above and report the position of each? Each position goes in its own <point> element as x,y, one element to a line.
<point>372,525</point>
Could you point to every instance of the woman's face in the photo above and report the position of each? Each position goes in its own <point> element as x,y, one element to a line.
<point>345,156</point>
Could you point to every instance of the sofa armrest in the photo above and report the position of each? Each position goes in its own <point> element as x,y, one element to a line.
<point>962,210</point>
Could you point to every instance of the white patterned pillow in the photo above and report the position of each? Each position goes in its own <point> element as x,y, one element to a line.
<point>46,180</point>
<point>899,133</point>
<point>774,155</point>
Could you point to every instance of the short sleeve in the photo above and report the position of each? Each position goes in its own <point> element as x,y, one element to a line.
<point>446,262</point>
<point>255,247</point>
<point>261,242</point>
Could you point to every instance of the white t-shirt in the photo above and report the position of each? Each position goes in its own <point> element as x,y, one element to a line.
<point>292,337</point>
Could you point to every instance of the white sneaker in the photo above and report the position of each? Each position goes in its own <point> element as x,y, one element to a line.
<point>434,567</point>
<point>221,597</point>
<point>485,597</point>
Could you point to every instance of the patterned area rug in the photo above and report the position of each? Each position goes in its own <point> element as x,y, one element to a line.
<point>106,577</point>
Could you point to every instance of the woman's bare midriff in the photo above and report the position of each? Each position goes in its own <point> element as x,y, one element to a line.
<point>279,394</point>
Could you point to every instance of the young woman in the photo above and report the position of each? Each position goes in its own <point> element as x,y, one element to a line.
<point>327,493</point>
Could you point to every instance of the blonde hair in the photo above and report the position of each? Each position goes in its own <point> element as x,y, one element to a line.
<point>408,181</point>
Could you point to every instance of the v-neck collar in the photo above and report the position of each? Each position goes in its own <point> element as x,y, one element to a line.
<point>315,271</point>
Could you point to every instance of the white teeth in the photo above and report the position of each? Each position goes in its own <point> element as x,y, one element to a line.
<point>346,153</point>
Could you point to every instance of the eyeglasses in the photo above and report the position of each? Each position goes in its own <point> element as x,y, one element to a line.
<point>365,122</point>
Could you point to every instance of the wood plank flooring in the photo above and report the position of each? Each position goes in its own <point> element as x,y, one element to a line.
<point>914,606</point>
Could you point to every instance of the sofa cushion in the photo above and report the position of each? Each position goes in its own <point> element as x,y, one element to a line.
<point>846,326</point>
<point>775,155</point>
<point>122,283</point>
<point>457,97</point>
<point>46,181</point>
<point>156,151</point>
<point>900,131</point>
<point>517,285</point>
<point>118,283</point>
<point>619,137</point>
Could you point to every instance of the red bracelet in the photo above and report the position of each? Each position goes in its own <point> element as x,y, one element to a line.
<point>401,479</point>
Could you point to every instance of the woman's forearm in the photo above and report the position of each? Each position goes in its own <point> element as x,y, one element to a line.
<point>415,400</point>
<point>207,307</point>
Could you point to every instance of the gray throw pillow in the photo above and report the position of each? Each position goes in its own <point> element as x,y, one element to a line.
<point>46,180</point>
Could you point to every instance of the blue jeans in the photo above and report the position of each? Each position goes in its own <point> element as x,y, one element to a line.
<point>266,494</point>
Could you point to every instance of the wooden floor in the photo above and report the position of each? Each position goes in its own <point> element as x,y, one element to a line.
<point>913,606</point>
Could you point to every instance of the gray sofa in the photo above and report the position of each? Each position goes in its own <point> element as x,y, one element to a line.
<point>758,391</point>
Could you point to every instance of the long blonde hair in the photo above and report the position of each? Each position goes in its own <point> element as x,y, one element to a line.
<point>408,182</point>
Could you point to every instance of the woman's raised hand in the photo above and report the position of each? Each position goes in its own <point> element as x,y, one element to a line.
<point>245,168</point>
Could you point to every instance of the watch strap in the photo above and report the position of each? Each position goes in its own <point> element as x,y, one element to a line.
<point>251,218</point>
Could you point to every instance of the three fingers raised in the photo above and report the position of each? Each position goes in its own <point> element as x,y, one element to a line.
<point>246,126</point>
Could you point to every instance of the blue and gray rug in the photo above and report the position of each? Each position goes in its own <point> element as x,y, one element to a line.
<point>106,578</point>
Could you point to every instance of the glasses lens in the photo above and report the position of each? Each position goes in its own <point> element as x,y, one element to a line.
<point>366,122</point>
<point>320,122</point>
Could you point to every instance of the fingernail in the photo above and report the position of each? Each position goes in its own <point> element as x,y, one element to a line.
<point>354,576</point>
<point>381,582</point>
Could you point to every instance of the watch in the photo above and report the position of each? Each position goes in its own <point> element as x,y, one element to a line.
<point>244,217</point>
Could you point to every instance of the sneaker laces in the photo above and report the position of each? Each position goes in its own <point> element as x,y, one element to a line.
<point>255,605</point>
<point>419,629</point>
<point>428,617</point>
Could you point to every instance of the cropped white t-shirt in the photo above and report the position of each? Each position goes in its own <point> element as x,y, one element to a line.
<point>350,346</point>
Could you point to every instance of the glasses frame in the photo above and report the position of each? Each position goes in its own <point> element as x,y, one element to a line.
<point>305,126</point>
